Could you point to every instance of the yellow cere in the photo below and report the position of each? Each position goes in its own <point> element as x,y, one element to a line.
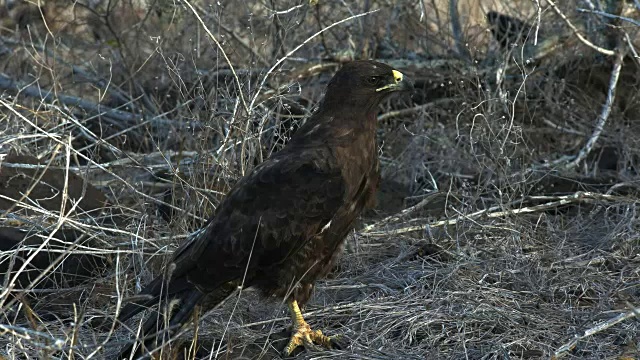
<point>397,75</point>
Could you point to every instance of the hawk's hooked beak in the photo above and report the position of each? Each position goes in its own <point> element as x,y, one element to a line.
<point>400,83</point>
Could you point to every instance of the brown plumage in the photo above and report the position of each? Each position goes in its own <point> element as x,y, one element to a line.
<point>286,221</point>
<point>508,30</point>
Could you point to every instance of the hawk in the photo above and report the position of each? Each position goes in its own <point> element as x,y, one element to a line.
<point>282,226</point>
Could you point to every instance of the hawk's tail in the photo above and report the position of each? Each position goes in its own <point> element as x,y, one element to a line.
<point>173,313</point>
<point>162,324</point>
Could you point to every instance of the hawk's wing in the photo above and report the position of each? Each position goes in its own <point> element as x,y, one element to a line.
<point>266,217</point>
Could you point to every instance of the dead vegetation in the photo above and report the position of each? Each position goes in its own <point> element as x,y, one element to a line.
<point>507,224</point>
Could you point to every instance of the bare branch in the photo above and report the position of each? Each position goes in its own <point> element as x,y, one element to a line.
<point>577,32</point>
<point>224,54</point>
<point>606,109</point>
<point>264,79</point>
<point>565,348</point>
<point>93,108</point>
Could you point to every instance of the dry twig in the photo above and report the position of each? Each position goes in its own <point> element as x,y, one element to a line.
<point>567,347</point>
<point>606,109</point>
<point>577,32</point>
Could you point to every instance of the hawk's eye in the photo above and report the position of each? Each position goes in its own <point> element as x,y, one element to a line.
<point>373,80</point>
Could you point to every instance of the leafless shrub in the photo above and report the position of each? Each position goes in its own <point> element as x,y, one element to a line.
<point>507,224</point>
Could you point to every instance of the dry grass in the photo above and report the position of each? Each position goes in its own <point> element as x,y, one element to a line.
<point>507,224</point>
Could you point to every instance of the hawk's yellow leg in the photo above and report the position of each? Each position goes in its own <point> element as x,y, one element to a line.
<point>302,333</point>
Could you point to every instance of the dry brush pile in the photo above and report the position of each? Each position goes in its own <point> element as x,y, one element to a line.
<point>507,223</point>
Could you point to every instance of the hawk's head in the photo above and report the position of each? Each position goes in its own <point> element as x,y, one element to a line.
<point>365,82</point>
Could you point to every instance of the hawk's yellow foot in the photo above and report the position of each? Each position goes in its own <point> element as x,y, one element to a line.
<point>302,333</point>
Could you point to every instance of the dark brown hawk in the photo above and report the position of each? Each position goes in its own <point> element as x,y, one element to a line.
<point>507,30</point>
<point>282,226</point>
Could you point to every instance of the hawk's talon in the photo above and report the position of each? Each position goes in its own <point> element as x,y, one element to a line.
<point>312,340</point>
<point>302,335</point>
